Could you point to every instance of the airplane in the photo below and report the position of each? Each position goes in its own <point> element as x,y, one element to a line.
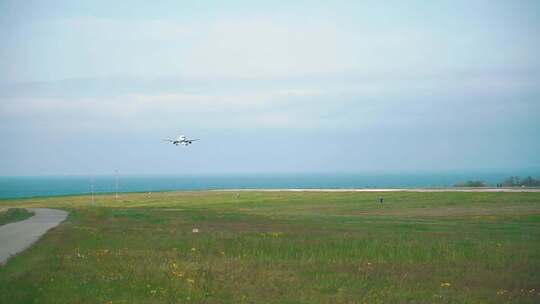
<point>181,140</point>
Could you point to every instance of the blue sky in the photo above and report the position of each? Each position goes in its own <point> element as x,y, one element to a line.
<point>87,87</point>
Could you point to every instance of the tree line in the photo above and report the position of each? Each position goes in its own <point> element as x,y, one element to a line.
<point>512,181</point>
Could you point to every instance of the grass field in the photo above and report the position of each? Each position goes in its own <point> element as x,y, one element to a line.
<point>283,247</point>
<point>14,215</point>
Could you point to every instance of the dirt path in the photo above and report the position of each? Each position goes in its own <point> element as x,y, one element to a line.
<point>15,237</point>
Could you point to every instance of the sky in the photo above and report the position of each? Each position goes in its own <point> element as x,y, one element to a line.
<point>88,87</point>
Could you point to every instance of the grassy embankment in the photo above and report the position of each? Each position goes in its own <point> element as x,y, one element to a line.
<point>14,215</point>
<point>284,248</point>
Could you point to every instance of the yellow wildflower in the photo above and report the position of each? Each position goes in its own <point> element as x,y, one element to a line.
<point>102,252</point>
<point>191,281</point>
<point>446,284</point>
<point>178,273</point>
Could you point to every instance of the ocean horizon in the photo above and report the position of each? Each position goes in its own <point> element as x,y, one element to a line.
<point>36,186</point>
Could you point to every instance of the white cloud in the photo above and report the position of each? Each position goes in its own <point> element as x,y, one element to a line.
<point>336,103</point>
<point>256,46</point>
<point>143,111</point>
<point>126,29</point>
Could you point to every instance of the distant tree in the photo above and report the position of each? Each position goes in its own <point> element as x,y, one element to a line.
<point>509,182</point>
<point>530,182</point>
<point>515,181</point>
<point>471,183</point>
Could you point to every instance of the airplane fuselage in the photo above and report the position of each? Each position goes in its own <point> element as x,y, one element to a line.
<point>181,140</point>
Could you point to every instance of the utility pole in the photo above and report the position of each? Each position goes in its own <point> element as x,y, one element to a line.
<point>92,189</point>
<point>116,191</point>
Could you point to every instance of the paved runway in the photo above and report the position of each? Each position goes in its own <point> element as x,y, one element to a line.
<point>16,237</point>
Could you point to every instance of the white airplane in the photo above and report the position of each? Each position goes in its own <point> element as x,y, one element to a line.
<point>181,140</point>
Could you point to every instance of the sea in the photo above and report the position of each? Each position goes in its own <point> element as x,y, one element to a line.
<point>37,186</point>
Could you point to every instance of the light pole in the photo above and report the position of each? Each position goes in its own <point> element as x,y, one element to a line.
<point>116,191</point>
<point>92,189</point>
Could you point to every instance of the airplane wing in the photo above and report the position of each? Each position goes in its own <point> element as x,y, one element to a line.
<point>166,139</point>
<point>194,139</point>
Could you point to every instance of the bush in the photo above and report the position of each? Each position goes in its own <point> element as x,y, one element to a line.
<point>471,184</point>
<point>515,181</point>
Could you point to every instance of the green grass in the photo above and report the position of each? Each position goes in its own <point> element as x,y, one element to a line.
<point>283,247</point>
<point>14,215</point>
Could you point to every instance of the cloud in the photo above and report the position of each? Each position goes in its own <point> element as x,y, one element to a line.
<point>263,108</point>
<point>112,29</point>
<point>247,47</point>
<point>345,103</point>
